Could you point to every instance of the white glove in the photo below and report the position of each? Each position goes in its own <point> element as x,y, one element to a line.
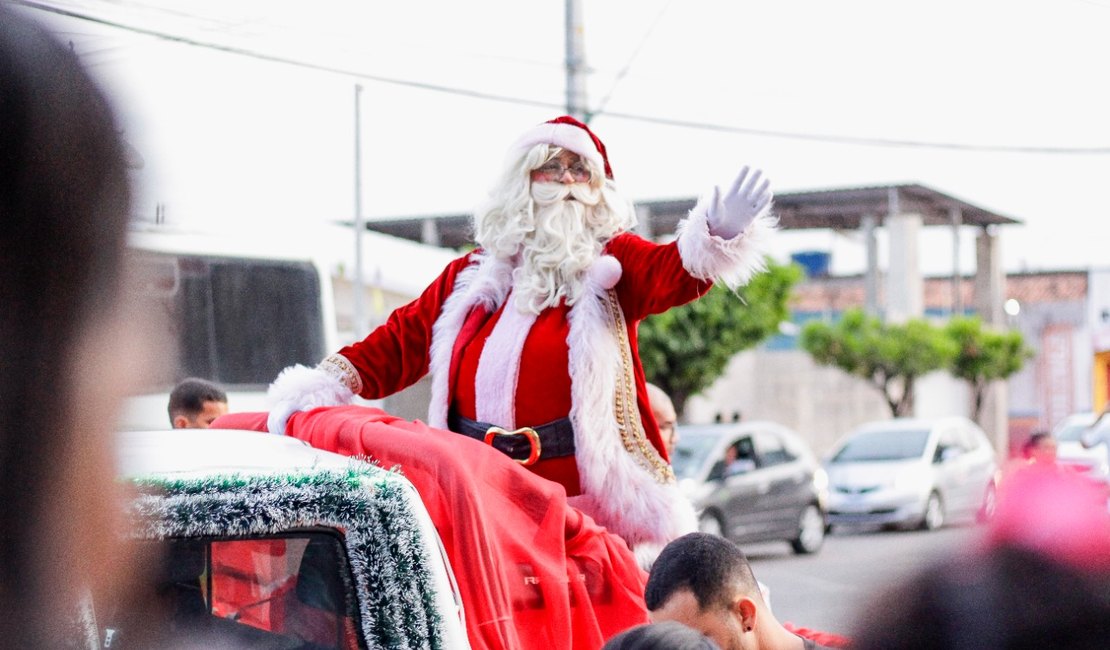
<point>300,388</point>
<point>731,214</point>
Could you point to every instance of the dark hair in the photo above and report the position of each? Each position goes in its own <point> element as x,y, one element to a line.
<point>1007,598</point>
<point>711,567</point>
<point>1034,439</point>
<point>190,394</point>
<point>667,635</point>
<point>64,206</point>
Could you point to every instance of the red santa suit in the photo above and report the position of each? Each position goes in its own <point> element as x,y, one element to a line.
<point>494,363</point>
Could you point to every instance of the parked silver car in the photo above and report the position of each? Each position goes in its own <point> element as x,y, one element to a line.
<point>753,482</point>
<point>912,472</point>
<point>1091,461</point>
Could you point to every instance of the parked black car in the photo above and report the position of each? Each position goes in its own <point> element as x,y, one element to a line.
<point>753,482</point>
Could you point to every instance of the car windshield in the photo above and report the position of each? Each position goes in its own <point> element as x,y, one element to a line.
<point>691,451</point>
<point>883,445</point>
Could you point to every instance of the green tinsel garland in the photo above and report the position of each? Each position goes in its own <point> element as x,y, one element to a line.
<point>393,583</point>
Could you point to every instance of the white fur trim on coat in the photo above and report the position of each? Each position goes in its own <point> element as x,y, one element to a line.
<point>499,368</point>
<point>617,492</point>
<point>300,388</point>
<point>730,261</point>
<point>485,282</point>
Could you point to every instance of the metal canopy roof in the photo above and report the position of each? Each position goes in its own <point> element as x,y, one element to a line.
<point>844,208</point>
<point>838,209</point>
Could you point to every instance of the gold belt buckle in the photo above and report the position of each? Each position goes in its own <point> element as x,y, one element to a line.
<point>529,432</point>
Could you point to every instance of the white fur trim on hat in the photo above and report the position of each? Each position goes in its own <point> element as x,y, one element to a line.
<point>567,136</point>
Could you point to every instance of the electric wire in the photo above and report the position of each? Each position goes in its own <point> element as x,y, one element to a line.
<point>522,101</point>
<point>628,64</point>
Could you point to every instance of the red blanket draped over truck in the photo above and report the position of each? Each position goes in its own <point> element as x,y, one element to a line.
<point>533,572</point>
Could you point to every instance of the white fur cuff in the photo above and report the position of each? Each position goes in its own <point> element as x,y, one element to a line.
<point>730,261</point>
<point>299,388</point>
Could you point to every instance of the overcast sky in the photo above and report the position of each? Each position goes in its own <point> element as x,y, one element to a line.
<point>447,85</point>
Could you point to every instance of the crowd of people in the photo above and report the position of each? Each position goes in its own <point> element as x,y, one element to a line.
<point>531,344</point>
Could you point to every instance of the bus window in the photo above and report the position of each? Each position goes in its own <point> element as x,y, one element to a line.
<point>235,321</point>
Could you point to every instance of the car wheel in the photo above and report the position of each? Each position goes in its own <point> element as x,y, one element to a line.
<point>811,531</point>
<point>990,501</point>
<point>711,523</point>
<point>934,513</point>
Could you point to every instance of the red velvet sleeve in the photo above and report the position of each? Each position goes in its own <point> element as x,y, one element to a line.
<point>396,355</point>
<point>653,278</point>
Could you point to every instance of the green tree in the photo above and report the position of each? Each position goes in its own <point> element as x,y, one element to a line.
<point>687,348</point>
<point>984,355</point>
<point>888,356</point>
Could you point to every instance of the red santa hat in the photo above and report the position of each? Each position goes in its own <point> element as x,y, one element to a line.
<point>570,134</point>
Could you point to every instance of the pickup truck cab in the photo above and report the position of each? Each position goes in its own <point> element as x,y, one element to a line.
<point>262,541</point>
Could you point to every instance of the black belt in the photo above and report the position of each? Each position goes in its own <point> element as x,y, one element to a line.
<point>525,445</point>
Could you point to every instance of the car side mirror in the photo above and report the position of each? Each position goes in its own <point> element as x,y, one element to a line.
<point>718,471</point>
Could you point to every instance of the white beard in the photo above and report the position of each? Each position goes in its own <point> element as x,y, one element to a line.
<point>555,255</point>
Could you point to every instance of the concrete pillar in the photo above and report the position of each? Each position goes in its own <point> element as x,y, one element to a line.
<point>990,291</point>
<point>868,224</point>
<point>905,289</point>
<point>956,217</point>
<point>643,222</point>
<point>429,232</point>
<point>990,282</point>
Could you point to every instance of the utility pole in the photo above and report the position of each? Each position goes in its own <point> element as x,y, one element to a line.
<point>359,317</point>
<point>576,62</point>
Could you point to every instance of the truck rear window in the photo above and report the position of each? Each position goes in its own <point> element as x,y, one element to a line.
<point>274,592</point>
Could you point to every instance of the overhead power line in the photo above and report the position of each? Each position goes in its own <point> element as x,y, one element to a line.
<point>663,121</point>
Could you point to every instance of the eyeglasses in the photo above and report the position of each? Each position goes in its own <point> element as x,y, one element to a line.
<point>554,170</point>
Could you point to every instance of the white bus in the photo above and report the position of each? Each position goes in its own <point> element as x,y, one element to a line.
<point>229,309</point>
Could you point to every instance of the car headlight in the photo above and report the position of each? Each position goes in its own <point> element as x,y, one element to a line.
<point>820,480</point>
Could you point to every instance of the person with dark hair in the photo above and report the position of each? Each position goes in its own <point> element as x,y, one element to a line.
<point>705,581</point>
<point>1040,448</point>
<point>195,403</point>
<point>661,636</point>
<point>64,206</point>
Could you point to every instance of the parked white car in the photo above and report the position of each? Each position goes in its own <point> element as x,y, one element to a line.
<point>912,472</point>
<point>1093,461</point>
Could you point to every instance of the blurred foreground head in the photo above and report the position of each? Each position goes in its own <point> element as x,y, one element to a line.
<point>668,635</point>
<point>1041,578</point>
<point>64,203</point>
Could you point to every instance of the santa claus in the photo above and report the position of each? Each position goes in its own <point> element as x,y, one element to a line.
<point>531,338</point>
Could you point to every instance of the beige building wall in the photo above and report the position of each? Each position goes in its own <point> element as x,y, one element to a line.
<point>819,402</point>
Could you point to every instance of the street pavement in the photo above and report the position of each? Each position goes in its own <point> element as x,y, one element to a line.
<point>824,591</point>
